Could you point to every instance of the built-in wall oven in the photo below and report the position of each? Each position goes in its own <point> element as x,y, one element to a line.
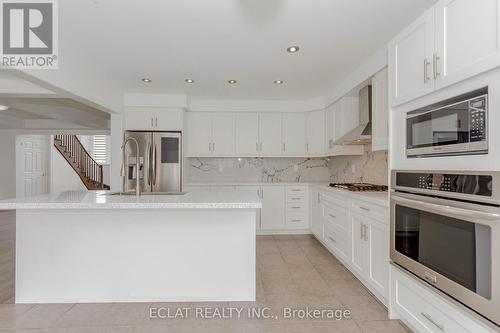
<point>457,126</point>
<point>445,229</point>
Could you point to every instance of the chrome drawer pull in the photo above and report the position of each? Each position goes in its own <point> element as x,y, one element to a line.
<point>333,240</point>
<point>296,220</point>
<point>296,189</point>
<point>429,318</point>
<point>364,208</point>
<point>296,207</point>
<point>333,216</point>
<point>296,198</point>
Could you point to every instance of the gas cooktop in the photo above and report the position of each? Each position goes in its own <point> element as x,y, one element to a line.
<point>359,187</point>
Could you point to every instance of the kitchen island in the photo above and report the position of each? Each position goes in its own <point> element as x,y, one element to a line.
<point>82,247</point>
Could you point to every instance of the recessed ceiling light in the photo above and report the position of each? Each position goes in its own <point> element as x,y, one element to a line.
<point>278,82</point>
<point>232,81</point>
<point>3,107</point>
<point>189,80</point>
<point>145,80</point>
<point>292,49</point>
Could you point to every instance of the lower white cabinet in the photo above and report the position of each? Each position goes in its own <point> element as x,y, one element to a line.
<point>316,213</point>
<point>424,311</point>
<point>273,208</point>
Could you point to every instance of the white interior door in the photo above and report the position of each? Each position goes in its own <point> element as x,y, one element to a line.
<point>32,153</point>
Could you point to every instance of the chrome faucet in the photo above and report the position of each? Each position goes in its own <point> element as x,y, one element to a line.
<point>137,165</point>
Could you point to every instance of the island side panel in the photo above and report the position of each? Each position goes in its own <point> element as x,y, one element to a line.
<point>81,256</point>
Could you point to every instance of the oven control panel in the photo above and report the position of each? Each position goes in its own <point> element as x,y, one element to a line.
<point>455,183</point>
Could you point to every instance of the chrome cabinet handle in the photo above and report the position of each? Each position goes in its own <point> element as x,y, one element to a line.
<point>296,190</point>
<point>151,121</point>
<point>435,62</point>
<point>426,72</point>
<point>296,220</point>
<point>284,146</point>
<point>213,146</point>
<point>364,208</point>
<point>256,146</point>
<point>333,240</point>
<point>156,121</point>
<point>295,207</point>
<point>307,146</point>
<point>319,197</point>
<point>361,231</point>
<point>333,216</point>
<point>431,320</point>
<point>365,232</point>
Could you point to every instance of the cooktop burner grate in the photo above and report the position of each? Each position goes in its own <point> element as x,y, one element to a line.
<point>360,187</point>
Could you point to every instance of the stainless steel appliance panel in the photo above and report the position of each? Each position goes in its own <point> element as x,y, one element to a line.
<point>166,160</point>
<point>144,140</point>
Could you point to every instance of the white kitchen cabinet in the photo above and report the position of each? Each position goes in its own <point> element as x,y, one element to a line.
<point>467,39</point>
<point>273,208</point>
<point>359,250</point>
<point>223,133</point>
<point>316,213</point>
<point>210,134</point>
<point>296,207</point>
<point>294,133</point>
<point>380,111</point>
<point>199,134</point>
<point>452,41</point>
<point>410,59</point>
<point>378,257</point>
<point>153,118</point>
<point>247,134</point>
<point>315,131</point>
<point>270,128</point>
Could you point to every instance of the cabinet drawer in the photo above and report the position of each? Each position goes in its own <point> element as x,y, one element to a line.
<point>297,220</point>
<point>296,190</point>
<point>370,210</point>
<point>296,206</point>
<point>337,217</point>
<point>424,311</point>
<point>296,198</point>
<point>336,242</point>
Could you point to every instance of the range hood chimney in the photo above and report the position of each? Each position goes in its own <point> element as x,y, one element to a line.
<point>362,134</point>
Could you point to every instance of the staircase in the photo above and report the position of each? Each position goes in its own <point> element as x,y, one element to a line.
<point>89,171</point>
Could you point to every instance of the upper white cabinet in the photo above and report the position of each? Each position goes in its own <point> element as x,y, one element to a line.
<point>270,127</point>
<point>342,116</point>
<point>410,59</point>
<point>467,39</point>
<point>452,41</point>
<point>380,111</point>
<point>247,134</point>
<point>210,134</point>
<point>315,131</point>
<point>154,118</point>
<point>294,134</point>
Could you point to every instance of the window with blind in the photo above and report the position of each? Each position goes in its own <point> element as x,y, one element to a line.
<point>100,149</point>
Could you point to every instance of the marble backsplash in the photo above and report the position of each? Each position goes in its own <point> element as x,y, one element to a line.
<point>370,168</point>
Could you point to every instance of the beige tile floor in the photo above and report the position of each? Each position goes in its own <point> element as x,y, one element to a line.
<point>292,271</point>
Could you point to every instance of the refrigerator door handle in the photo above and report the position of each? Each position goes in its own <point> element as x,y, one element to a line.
<point>154,166</point>
<point>148,160</point>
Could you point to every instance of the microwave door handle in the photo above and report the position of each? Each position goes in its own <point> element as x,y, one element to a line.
<point>453,211</point>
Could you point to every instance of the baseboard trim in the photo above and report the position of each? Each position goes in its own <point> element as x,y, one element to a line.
<point>284,232</point>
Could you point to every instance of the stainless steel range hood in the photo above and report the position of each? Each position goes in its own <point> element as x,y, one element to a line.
<point>362,134</point>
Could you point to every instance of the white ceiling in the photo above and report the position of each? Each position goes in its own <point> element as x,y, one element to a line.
<point>217,40</point>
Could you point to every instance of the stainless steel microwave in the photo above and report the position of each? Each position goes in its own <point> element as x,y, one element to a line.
<point>445,229</point>
<point>457,126</point>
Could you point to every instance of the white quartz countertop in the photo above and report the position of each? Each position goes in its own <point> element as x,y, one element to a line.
<point>196,199</point>
<point>378,198</point>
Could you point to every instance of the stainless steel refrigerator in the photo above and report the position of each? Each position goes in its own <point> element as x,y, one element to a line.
<point>160,160</point>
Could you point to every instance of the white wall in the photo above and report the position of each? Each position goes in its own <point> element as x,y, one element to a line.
<point>7,164</point>
<point>63,177</point>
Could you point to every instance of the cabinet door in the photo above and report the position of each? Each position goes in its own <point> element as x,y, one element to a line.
<point>330,128</point>
<point>199,133</point>
<point>168,119</point>
<point>139,119</point>
<point>316,132</point>
<point>380,111</point>
<point>359,260</point>
<point>410,60</point>
<point>467,39</point>
<point>273,208</point>
<point>223,127</point>
<point>316,213</point>
<point>247,134</point>
<point>378,236</point>
<point>294,133</point>
<point>270,134</point>
<point>257,190</point>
